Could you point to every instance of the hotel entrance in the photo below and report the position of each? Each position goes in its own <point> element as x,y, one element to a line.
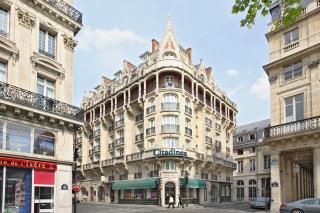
<point>170,189</point>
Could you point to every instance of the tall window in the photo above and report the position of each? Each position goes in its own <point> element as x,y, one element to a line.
<point>4,22</point>
<point>152,144</point>
<point>292,71</point>
<point>240,190</point>
<point>240,166</point>
<point>151,123</point>
<point>47,43</point>
<point>18,137</point>
<point>170,119</point>
<point>3,72</point>
<point>252,189</point>
<point>43,142</point>
<point>266,162</point>
<point>170,98</point>
<point>45,87</point>
<point>169,81</point>
<point>291,36</point>
<point>252,165</point>
<point>294,109</point>
<point>170,142</point>
<point>170,165</point>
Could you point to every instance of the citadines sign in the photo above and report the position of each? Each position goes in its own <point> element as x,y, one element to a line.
<point>169,152</point>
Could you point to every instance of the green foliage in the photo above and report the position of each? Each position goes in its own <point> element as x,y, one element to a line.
<point>292,10</point>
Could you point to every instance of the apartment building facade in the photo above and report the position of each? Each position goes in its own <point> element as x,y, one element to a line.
<point>37,120</point>
<point>294,76</point>
<point>152,126</point>
<point>252,177</point>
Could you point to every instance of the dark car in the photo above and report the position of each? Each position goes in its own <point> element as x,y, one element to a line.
<point>260,203</point>
<point>301,206</point>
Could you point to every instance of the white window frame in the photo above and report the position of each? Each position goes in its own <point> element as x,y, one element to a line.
<point>3,71</point>
<point>170,142</point>
<point>252,163</point>
<point>294,110</point>
<point>170,166</point>
<point>170,119</point>
<point>170,98</point>
<point>292,40</point>
<point>6,14</point>
<point>46,42</point>
<point>169,81</point>
<point>292,71</point>
<point>240,166</point>
<point>46,86</point>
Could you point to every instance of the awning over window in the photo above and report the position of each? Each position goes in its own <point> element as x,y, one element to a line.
<point>136,184</point>
<point>194,183</point>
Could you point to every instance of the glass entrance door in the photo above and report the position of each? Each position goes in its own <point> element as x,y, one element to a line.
<point>170,189</point>
<point>44,200</point>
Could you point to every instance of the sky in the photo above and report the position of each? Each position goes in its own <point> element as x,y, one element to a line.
<point>115,30</point>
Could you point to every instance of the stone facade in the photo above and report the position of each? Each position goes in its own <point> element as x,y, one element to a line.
<point>37,122</point>
<point>158,122</point>
<point>294,74</point>
<point>252,177</point>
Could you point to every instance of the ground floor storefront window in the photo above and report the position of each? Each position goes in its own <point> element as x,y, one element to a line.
<point>139,196</point>
<point>225,192</point>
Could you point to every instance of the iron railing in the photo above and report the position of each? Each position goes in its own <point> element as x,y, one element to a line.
<point>170,106</point>
<point>134,156</point>
<point>295,127</point>
<point>27,98</point>
<point>66,9</point>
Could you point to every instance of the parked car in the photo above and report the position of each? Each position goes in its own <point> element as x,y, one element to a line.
<point>301,206</point>
<point>260,203</point>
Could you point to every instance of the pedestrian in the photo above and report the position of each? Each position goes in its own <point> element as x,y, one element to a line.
<point>180,201</point>
<point>171,202</point>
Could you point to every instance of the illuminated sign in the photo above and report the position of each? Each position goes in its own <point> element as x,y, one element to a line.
<point>169,152</point>
<point>31,164</point>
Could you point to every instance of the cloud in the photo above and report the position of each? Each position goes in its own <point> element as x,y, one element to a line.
<point>109,47</point>
<point>235,90</point>
<point>232,73</point>
<point>261,87</point>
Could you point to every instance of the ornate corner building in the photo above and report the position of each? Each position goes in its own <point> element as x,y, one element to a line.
<point>252,177</point>
<point>294,74</point>
<point>37,120</point>
<point>154,124</point>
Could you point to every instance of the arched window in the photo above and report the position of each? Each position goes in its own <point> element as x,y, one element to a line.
<point>252,182</point>
<point>240,190</point>
<point>44,142</point>
<point>240,183</point>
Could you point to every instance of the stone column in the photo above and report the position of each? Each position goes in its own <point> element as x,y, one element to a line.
<point>316,172</point>
<point>275,181</point>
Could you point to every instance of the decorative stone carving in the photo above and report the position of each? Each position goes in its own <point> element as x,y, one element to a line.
<point>69,42</point>
<point>314,64</point>
<point>26,18</point>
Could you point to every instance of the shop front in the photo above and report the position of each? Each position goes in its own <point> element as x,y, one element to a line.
<point>194,187</point>
<point>26,185</point>
<point>143,191</point>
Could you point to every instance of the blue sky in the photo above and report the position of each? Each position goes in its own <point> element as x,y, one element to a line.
<point>114,30</point>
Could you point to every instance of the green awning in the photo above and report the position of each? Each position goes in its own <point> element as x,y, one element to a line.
<point>194,183</point>
<point>136,184</point>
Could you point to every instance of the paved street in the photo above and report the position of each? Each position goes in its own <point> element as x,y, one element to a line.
<point>99,208</point>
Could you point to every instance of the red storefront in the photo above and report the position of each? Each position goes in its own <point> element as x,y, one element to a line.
<point>26,185</point>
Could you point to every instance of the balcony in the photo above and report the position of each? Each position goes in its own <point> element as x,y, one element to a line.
<point>40,102</point>
<point>96,164</point>
<point>111,129</point>
<point>204,176</point>
<point>170,106</point>
<point>188,110</point>
<point>138,175</point>
<point>96,149</point>
<point>291,46</point>
<point>170,128</point>
<point>224,160</point>
<point>208,121</point>
<point>188,131</point>
<point>150,130</point>
<point>110,178</point>
<point>154,173</point>
<point>293,128</point>
<point>134,156</point>
<point>208,140</point>
<point>107,162</point>
<point>119,123</point>
<point>119,141</point>
<point>123,177</point>
<point>139,118</point>
<point>139,137</point>
<point>66,9</point>
<point>119,159</point>
<point>151,109</point>
<point>171,85</point>
<point>87,166</point>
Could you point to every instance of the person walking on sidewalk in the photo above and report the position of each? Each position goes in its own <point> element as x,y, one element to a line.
<point>180,201</point>
<point>171,202</point>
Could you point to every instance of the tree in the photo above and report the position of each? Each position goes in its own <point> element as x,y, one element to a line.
<point>291,10</point>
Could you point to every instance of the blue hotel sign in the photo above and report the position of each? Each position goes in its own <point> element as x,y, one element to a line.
<point>169,152</point>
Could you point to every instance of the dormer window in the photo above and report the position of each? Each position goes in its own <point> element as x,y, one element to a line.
<point>169,81</point>
<point>169,55</point>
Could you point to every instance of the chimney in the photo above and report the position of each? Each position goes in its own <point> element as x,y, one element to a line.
<point>154,45</point>
<point>189,51</point>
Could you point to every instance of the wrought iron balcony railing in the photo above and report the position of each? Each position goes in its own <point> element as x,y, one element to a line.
<point>21,96</point>
<point>296,127</point>
<point>66,9</point>
<point>134,156</point>
<point>170,128</point>
<point>107,162</point>
<point>43,52</point>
